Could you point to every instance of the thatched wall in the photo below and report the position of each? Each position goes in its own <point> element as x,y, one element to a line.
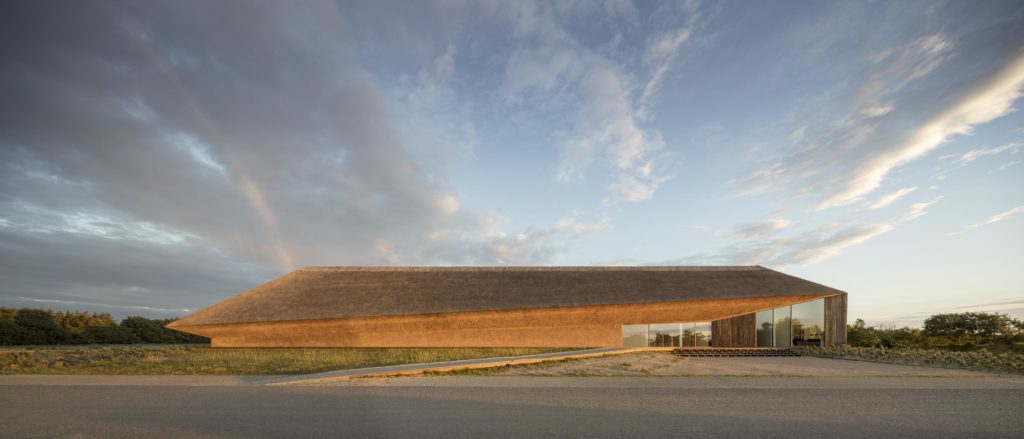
<point>348,292</point>
<point>585,326</point>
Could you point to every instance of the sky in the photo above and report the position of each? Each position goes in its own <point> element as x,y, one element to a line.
<point>158,157</point>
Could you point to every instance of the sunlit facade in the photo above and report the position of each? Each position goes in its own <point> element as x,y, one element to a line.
<point>799,324</point>
<point>671,307</point>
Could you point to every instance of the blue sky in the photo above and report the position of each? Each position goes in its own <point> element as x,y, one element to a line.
<point>157,158</point>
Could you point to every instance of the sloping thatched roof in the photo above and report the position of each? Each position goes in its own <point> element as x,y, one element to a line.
<point>342,292</point>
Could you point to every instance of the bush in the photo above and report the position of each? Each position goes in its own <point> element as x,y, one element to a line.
<point>978,359</point>
<point>44,327</point>
<point>38,327</point>
<point>113,334</point>
<point>973,327</point>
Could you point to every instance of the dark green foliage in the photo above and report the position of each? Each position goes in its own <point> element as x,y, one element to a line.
<point>112,334</point>
<point>147,330</point>
<point>950,331</point>
<point>973,327</point>
<point>37,326</point>
<point>44,327</point>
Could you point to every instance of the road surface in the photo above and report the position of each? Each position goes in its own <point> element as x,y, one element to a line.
<point>519,407</point>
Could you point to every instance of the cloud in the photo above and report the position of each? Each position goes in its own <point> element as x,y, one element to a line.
<point>975,154</point>
<point>758,229</point>
<point>1007,165</point>
<point>576,227</point>
<point>993,98</point>
<point>794,249</point>
<point>900,103</point>
<point>556,72</point>
<point>1000,217</point>
<point>168,156</point>
<point>918,210</point>
<point>890,198</point>
<point>992,219</point>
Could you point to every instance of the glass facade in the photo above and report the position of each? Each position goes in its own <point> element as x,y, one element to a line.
<point>664,335</point>
<point>634,336</point>
<point>765,328</point>
<point>702,334</point>
<point>801,324</point>
<point>782,327</point>
<point>809,323</point>
<point>687,334</point>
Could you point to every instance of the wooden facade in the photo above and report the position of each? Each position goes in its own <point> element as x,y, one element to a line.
<point>501,306</point>
<point>735,332</point>
<point>835,320</point>
<point>741,331</point>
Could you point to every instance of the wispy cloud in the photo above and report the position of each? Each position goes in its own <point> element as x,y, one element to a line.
<point>798,248</point>
<point>758,229</point>
<point>557,68</point>
<point>991,99</point>
<point>918,210</point>
<point>975,154</point>
<point>1000,217</point>
<point>889,198</point>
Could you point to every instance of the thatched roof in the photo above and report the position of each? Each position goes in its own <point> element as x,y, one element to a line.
<point>341,292</point>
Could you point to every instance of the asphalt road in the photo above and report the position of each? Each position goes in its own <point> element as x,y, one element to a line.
<point>588,407</point>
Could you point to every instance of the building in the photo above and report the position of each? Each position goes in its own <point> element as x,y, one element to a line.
<point>526,307</point>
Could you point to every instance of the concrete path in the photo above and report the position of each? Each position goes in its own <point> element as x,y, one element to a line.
<point>419,368</point>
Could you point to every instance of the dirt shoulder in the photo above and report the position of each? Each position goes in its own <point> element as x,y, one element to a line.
<point>664,364</point>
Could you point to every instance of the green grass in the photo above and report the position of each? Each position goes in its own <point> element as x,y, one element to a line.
<point>200,360</point>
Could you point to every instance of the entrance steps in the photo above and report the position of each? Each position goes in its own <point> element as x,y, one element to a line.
<point>736,352</point>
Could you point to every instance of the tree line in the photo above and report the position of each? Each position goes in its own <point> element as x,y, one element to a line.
<point>28,326</point>
<point>941,330</point>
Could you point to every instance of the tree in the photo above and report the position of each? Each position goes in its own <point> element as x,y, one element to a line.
<point>860,335</point>
<point>38,327</point>
<point>147,330</point>
<point>972,327</point>
<point>113,334</point>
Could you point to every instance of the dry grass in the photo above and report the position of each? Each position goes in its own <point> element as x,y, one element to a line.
<point>199,360</point>
<point>982,359</point>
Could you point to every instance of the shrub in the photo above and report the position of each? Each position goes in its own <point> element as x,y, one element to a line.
<point>973,327</point>
<point>44,327</point>
<point>113,334</point>
<point>979,359</point>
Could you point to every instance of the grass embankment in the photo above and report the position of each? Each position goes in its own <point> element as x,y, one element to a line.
<point>1000,359</point>
<point>200,360</point>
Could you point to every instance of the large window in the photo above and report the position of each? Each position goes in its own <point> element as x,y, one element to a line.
<point>663,335</point>
<point>782,327</point>
<point>634,336</point>
<point>702,334</point>
<point>687,334</point>
<point>809,323</point>
<point>765,329</point>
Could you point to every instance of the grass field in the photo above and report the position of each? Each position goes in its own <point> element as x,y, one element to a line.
<point>200,360</point>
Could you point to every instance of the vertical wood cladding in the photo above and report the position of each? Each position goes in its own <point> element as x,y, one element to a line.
<point>734,332</point>
<point>835,320</point>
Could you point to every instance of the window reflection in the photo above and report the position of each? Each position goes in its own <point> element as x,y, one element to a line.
<point>782,327</point>
<point>809,323</point>
<point>688,334</point>
<point>634,336</point>
<point>764,329</point>
<point>702,334</point>
<point>663,335</point>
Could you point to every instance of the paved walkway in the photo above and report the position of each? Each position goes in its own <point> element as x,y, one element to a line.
<point>419,368</point>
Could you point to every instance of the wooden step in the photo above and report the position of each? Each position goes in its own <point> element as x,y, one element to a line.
<point>736,352</point>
